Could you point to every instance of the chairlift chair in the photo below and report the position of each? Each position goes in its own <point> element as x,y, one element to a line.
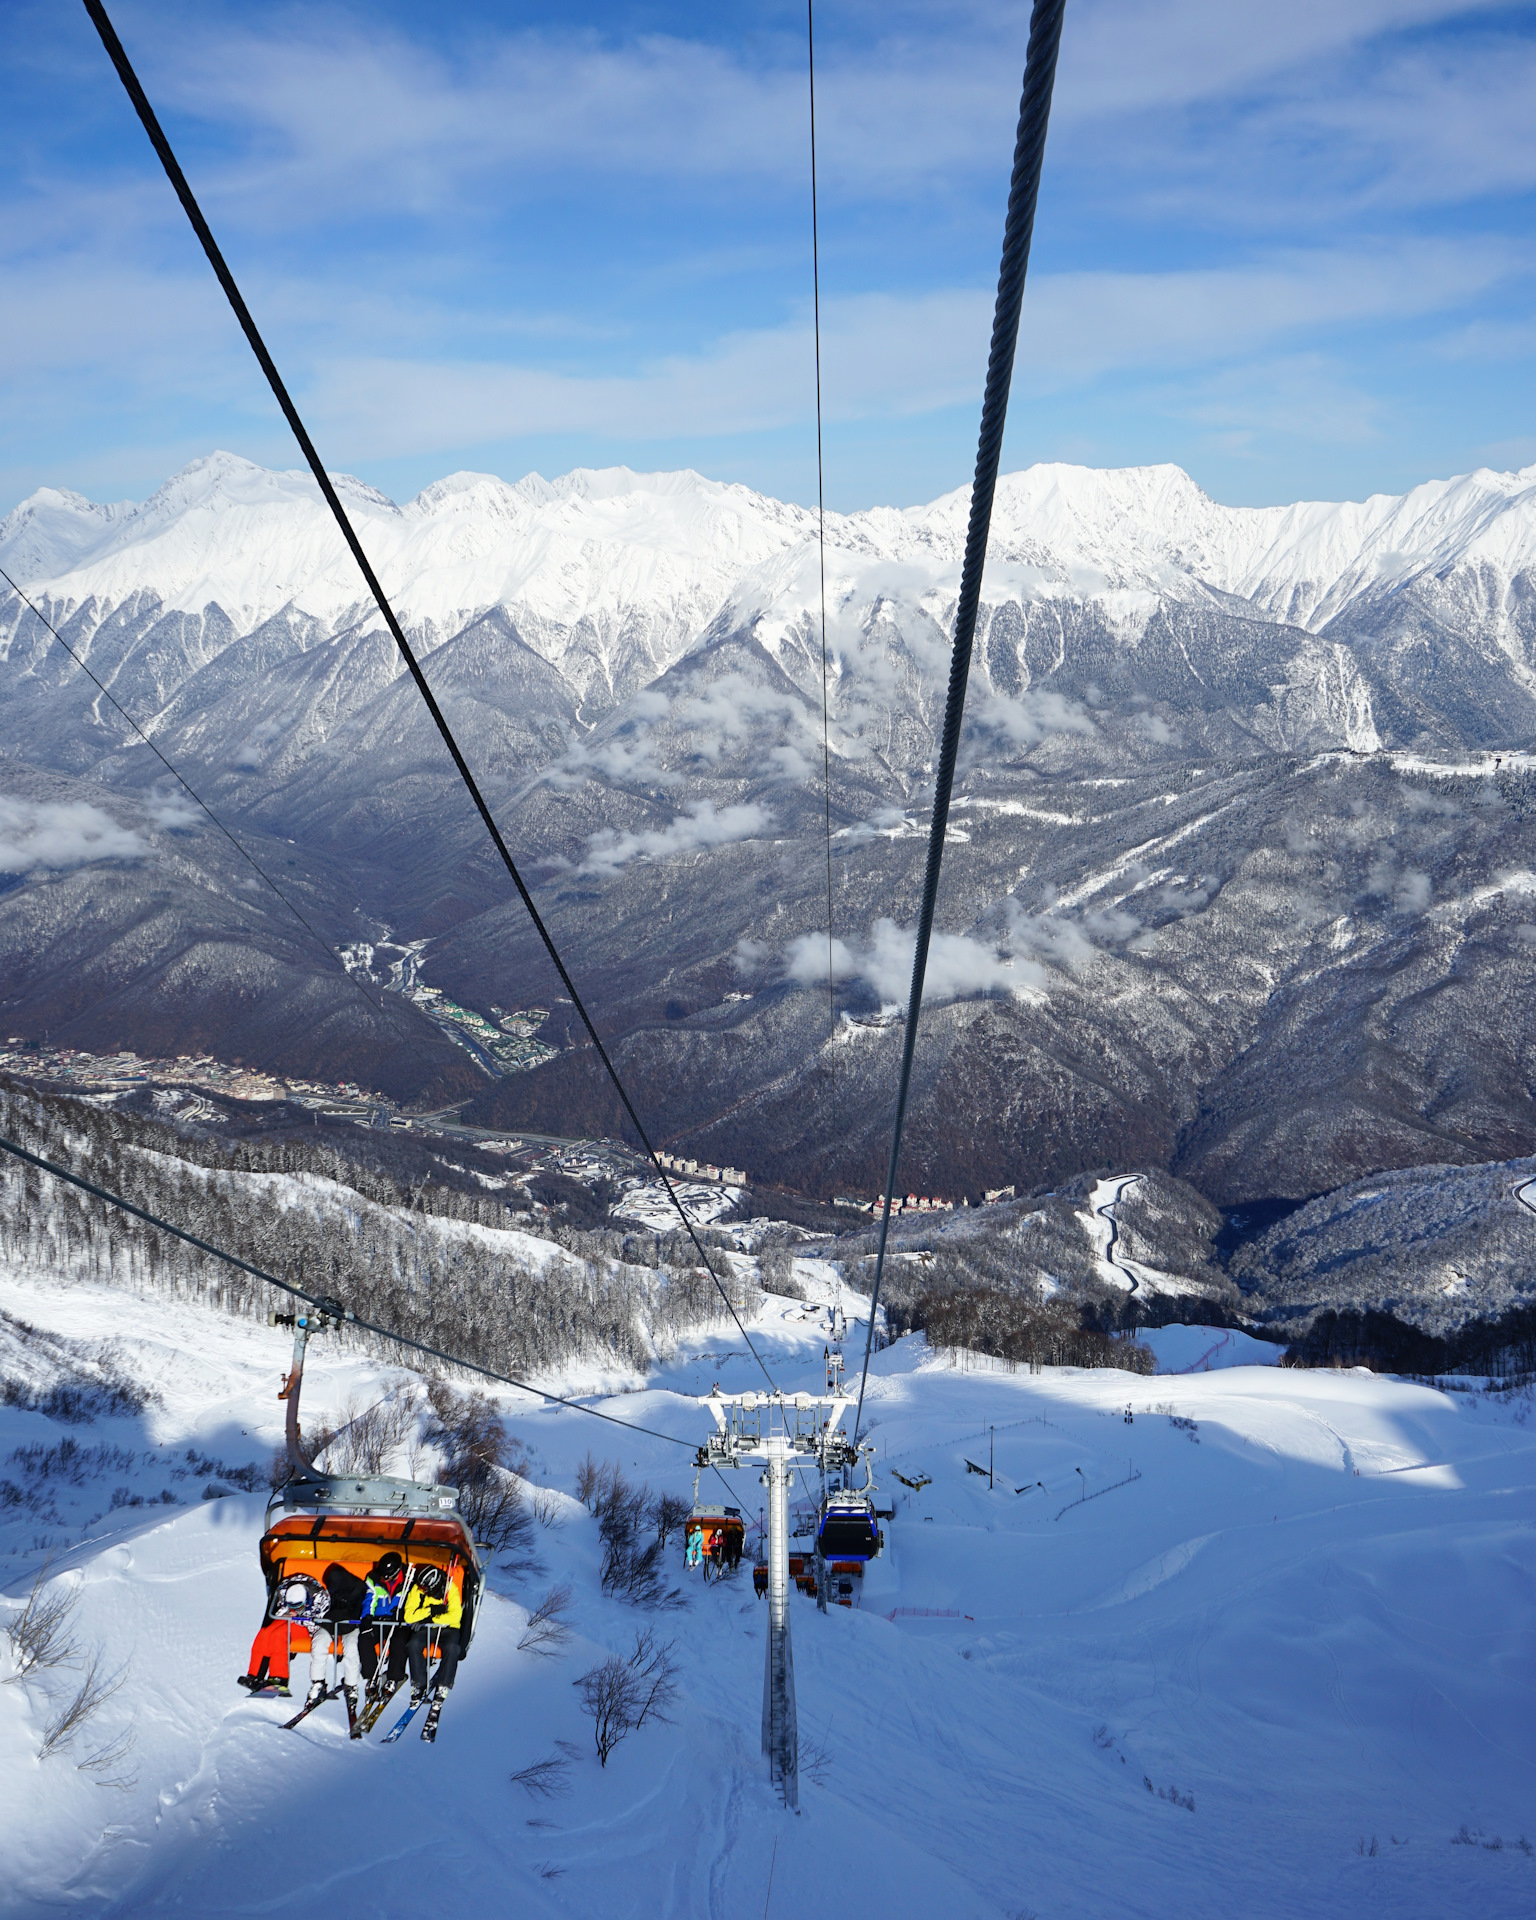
<point>316,1520</point>
<point>714,1535</point>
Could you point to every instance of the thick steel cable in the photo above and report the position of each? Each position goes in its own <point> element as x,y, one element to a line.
<point>242,313</point>
<point>323,1302</point>
<point>1023,191</point>
<point>821,528</point>
<point>248,858</point>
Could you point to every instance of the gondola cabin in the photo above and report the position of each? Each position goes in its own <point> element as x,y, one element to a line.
<point>315,1522</point>
<point>848,1538</point>
<point>846,1530</point>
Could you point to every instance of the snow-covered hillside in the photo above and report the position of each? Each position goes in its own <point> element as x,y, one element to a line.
<point>1284,1671</point>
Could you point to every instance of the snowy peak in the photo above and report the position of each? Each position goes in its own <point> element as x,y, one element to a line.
<point>595,550</point>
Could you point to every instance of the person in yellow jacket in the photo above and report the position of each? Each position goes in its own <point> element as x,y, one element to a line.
<point>434,1612</point>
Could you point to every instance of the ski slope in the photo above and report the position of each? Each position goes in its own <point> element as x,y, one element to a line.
<point>1288,1670</point>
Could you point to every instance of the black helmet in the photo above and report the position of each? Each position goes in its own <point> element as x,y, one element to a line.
<point>432,1582</point>
<point>388,1567</point>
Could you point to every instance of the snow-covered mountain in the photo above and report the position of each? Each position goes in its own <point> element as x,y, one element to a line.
<point>593,546</point>
<point>1241,795</point>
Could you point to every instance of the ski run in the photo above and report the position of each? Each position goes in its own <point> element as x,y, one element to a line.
<point>1228,1640</point>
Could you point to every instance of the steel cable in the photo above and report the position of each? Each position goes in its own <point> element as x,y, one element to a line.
<point>242,313</point>
<point>821,532</point>
<point>1023,191</point>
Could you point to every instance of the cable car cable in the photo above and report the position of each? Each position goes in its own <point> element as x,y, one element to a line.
<point>821,525</point>
<point>324,1304</point>
<point>242,313</point>
<point>1023,191</point>
<point>249,859</point>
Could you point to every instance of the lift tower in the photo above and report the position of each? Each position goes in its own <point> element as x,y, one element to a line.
<point>780,1430</point>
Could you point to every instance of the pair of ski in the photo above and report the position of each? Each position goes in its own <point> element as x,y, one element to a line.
<point>366,1720</point>
<point>434,1704</point>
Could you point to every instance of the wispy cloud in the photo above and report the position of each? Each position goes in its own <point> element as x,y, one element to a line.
<point>697,828</point>
<point>57,835</point>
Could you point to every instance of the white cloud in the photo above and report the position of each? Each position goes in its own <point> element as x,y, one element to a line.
<point>1413,892</point>
<point>61,834</point>
<point>172,812</point>
<point>958,967</point>
<point>701,826</point>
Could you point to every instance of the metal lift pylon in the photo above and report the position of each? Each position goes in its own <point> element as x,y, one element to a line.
<point>780,1430</point>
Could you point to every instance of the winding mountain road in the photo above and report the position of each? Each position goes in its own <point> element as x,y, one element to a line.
<point>1104,1210</point>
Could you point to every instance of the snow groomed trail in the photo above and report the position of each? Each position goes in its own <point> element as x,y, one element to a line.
<point>1290,1670</point>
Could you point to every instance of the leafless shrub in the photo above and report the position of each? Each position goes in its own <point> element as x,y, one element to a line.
<point>496,1512</point>
<point>669,1511</point>
<point>479,1454</point>
<point>545,1779</point>
<point>39,1634</point>
<point>545,1506</point>
<point>105,1758</point>
<point>593,1478</point>
<point>367,1438</point>
<point>608,1694</point>
<point>77,1712</point>
<point>815,1761</point>
<point>633,1563</point>
<point>470,1429</point>
<point>546,1631</point>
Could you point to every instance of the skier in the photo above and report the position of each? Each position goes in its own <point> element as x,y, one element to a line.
<point>276,1639</point>
<point>284,1631</point>
<point>355,1659</point>
<point>385,1591</point>
<point>434,1611</point>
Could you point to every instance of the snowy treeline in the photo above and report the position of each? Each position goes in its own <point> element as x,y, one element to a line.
<point>433,1263</point>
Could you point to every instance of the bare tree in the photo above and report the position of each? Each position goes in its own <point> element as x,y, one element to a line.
<point>655,1676</point>
<point>366,1439</point>
<point>621,1695</point>
<point>608,1694</point>
<point>546,1631</point>
<point>545,1503</point>
<point>632,1564</point>
<point>593,1478</point>
<point>669,1511</point>
<point>39,1634</point>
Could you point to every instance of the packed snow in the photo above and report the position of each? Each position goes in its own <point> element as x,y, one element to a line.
<point>1248,1641</point>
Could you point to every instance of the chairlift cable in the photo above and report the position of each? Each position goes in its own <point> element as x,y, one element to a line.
<point>821,533</point>
<point>248,858</point>
<point>1023,191</point>
<point>242,313</point>
<point>326,1305</point>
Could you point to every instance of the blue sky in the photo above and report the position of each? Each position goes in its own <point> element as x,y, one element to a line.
<point>1288,246</point>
